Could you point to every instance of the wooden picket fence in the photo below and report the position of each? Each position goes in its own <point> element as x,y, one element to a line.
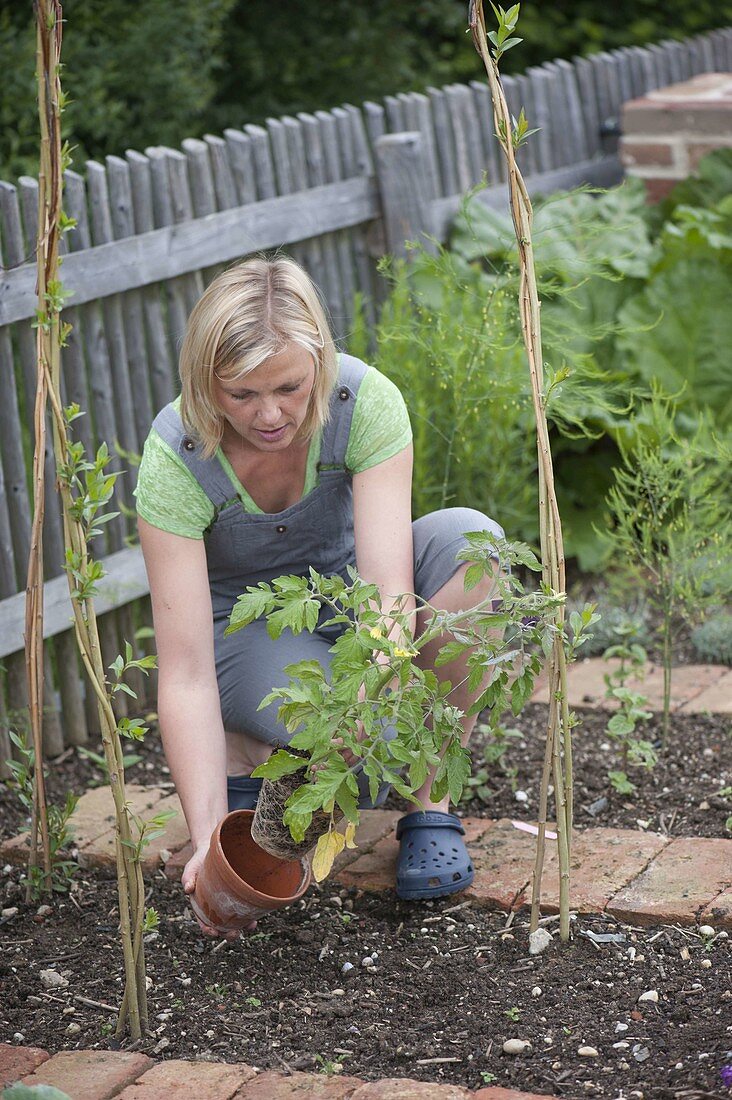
<point>336,190</point>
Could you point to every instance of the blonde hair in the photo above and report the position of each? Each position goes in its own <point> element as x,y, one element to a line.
<point>248,314</point>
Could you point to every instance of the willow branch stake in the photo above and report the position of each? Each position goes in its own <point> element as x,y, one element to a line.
<point>48,53</point>
<point>511,133</point>
<point>85,489</point>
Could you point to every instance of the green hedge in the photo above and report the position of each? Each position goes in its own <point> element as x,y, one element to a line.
<point>156,72</point>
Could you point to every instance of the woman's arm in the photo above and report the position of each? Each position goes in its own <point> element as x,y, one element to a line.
<point>382,516</point>
<point>188,699</point>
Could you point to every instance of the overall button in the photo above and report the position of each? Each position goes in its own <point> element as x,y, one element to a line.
<point>281,529</point>
<point>343,393</point>
<point>189,444</point>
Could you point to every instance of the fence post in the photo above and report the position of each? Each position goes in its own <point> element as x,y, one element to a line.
<point>403,174</point>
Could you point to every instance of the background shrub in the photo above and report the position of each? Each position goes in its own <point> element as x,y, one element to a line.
<point>713,639</point>
<point>156,72</point>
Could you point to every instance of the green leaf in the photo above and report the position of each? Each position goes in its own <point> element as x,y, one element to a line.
<point>621,783</point>
<point>521,691</point>
<point>678,337</point>
<point>254,603</point>
<point>473,575</point>
<point>450,652</point>
<point>280,763</point>
<point>620,725</point>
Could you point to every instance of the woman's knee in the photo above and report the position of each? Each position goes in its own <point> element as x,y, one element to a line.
<point>438,537</point>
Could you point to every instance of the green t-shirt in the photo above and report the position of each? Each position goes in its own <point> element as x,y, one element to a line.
<point>169,497</point>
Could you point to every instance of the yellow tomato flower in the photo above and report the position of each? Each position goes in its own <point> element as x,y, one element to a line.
<point>404,652</point>
<point>375,632</point>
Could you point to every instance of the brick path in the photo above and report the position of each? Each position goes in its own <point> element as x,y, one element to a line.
<point>101,1074</point>
<point>695,689</point>
<point>640,877</point>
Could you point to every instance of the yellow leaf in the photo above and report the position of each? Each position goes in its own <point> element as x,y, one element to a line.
<point>328,847</point>
<point>350,834</point>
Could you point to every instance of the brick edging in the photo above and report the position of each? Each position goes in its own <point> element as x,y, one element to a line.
<point>102,1074</point>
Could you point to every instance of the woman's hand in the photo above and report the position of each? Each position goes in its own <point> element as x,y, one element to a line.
<point>189,877</point>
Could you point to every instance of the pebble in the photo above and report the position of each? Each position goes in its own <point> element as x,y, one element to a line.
<point>706,963</point>
<point>148,982</point>
<point>73,1029</point>
<point>539,941</point>
<point>337,992</point>
<point>704,805</point>
<point>706,930</point>
<point>556,1066</point>
<point>160,1047</point>
<point>723,935</point>
<point>588,1052</point>
<point>620,1027</point>
<point>622,1045</point>
<point>7,913</point>
<point>68,1011</point>
<point>649,995</point>
<point>640,1053</point>
<point>18,1037</point>
<point>44,911</point>
<point>367,961</point>
<point>517,1046</point>
<point>51,979</point>
<point>346,967</point>
<point>536,991</point>
<point>521,796</point>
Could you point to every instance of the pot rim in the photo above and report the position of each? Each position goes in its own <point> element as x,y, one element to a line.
<point>234,881</point>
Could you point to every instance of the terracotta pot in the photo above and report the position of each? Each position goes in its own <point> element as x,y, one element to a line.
<point>238,882</point>
<point>268,829</point>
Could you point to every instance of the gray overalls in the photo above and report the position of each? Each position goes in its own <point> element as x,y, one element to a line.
<point>243,548</point>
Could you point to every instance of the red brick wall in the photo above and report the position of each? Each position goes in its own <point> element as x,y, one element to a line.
<point>667,132</point>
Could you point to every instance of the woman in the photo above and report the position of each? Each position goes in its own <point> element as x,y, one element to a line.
<point>281,454</point>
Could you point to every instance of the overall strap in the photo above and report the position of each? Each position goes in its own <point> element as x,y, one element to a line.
<point>342,402</point>
<point>209,473</point>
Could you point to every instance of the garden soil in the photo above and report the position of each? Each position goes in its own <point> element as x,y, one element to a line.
<point>679,797</point>
<point>447,984</point>
<point>432,992</point>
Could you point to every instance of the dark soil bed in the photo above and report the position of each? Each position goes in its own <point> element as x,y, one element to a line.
<point>680,796</point>
<point>448,984</point>
<point>687,793</point>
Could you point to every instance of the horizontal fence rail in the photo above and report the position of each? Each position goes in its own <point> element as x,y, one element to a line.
<point>136,262</point>
<point>339,188</point>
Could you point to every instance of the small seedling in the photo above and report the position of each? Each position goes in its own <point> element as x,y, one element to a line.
<point>328,1065</point>
<point>513,1013</point>
<point>254,1002</point>
<point>636,751</point>
<point>217,990</point>
<point>59,831</point>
